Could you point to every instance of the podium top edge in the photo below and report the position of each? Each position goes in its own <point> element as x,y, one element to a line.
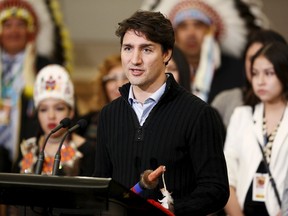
<point>60,181</point>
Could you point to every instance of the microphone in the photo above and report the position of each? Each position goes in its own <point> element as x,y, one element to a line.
<point>64,123</point>
<point>80,124</point>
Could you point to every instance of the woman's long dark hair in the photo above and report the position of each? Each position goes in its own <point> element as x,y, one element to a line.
<point>263,37</point>
<point>277,54</point>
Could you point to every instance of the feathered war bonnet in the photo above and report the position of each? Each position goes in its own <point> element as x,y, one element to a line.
<point>228,32</point>
<point>234,19</point>
<point>22,10</point>
<point>53,38</point>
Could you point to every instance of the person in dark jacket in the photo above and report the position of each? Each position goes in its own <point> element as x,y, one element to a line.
<point>156,123</point>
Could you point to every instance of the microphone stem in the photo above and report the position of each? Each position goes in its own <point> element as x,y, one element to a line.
<point>41,156</point>
<point>57,158</point>
<point>46,140</point>
<point>39,164</point>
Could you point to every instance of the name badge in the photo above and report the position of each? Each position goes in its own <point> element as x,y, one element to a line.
<point>5,110</point>
<point>260,184</point>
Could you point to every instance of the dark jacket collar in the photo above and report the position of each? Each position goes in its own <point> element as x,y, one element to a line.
<point>171,91</point>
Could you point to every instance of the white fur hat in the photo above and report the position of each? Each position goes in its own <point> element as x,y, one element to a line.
<point>53,81</point>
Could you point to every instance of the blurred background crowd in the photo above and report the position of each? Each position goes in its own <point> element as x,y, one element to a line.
<point>215,42</point>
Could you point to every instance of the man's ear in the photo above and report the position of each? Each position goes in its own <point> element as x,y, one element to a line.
<point>167,56</point>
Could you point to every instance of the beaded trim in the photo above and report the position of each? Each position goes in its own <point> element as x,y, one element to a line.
<point>269,139</point>
<point>29,149</point>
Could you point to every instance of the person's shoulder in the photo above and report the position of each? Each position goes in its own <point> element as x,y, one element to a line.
<point>226,95</point>
<point>230,93</point>
<point>29,145</point>
<point>241,118</point>
<point>243,112</point>
<point>29,142</point>
<point>114,104</point>
<point>83,145</point>
<point>192,98</point>
<point>190,103</point>
<point>243,108</point>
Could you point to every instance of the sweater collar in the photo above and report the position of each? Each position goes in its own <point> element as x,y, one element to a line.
<point>172,89</point>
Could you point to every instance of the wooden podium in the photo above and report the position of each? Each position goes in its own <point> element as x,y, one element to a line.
<point>63,195</point>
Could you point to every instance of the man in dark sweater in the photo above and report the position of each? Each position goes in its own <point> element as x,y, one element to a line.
<point>156,122</point>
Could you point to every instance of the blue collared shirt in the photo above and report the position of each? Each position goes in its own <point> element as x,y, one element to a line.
<point>142,110</point>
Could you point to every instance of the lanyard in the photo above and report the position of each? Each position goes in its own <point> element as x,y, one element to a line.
<point>273,183</point>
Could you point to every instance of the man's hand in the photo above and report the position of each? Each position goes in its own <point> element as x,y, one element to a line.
<point>153,176</point>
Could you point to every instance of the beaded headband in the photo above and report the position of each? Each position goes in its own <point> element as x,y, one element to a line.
<point>198,10</point>
<point>53,81</point>
<point>19,9</point>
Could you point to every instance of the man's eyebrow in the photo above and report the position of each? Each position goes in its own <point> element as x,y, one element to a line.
<point>141,45</point>
<point>127,44</point>
<point>147,45</point>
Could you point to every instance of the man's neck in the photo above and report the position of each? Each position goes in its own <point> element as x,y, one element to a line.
<point>193,65</point>
<point>142,93</point>
<point>12,56</point>
<point>193,62</point>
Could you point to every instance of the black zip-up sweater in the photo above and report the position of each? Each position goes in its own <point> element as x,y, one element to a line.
<point>181,132</point>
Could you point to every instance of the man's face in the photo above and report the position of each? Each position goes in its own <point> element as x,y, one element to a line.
<point>189,36</point>
<point>143,61</point>
<point>14,35</point>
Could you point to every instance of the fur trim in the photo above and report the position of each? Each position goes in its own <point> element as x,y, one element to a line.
<point>29,69</point>
<point>145,183</point>
<point>255,8</point>
<point>209,61</point>
<point>45,37</point>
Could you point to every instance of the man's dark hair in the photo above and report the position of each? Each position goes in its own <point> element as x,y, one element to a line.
<point>153,25</point>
